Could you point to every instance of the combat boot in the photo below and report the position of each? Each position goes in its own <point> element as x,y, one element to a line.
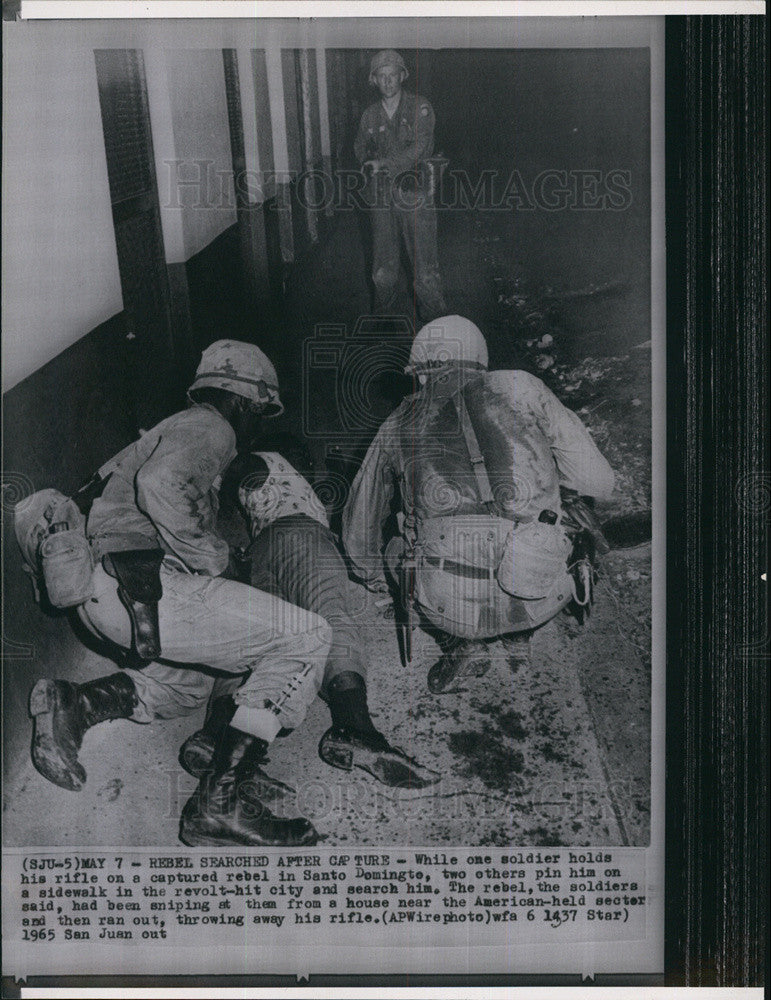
<point>346,748</point>
<point>197,753</point>
<point>226,810</point>
<point>62,712</point>
<point>516,649</point>
<point>460,658</point>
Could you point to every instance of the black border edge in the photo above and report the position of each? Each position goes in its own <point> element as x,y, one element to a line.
<point>719,496</point>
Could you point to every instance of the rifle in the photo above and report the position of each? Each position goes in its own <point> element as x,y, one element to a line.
<point>403,606</point>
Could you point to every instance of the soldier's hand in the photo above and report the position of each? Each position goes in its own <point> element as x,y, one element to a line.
<point>373,165</point>
<point>239,565</point>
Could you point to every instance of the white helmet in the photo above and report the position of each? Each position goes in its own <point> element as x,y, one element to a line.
<point>242,369</point>
<point>449,340</point>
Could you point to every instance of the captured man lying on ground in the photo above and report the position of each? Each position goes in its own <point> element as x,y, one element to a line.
<point>294,555</point>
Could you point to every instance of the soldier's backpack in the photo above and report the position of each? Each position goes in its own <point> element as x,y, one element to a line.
<point>534,554</point>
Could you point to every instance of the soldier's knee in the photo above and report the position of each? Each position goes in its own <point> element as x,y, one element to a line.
<point>320,629</point>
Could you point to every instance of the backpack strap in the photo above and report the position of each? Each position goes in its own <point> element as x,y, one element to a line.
<point>475,454</point>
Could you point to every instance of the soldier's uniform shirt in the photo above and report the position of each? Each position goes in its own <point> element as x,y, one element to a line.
<point>164,492</point>
<point>402,141</point>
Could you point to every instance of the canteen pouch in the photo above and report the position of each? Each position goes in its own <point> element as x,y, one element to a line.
<point>533,560</point>
<point>68,568</point>
<point>51,532</point>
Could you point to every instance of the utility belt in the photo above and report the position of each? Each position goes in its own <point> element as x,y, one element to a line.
<point>417,183</point>
<point>524,559</point>
<point>460,569</point>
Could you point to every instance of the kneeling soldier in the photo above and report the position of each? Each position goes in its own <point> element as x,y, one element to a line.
<point>478,458</point>
<point>158,508</point>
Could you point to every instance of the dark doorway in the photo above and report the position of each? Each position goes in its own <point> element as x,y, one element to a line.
<point>254,250</point>
<point>138,236</point>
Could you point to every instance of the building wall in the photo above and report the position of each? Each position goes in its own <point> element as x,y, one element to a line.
<point>60,267</point>
<point>201,137</point>
<point>294,145</point>
<point>263,119</point>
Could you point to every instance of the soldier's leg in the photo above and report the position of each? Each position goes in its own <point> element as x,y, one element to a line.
<point>516,649</point>
<point>231,627</point>
<point>288,565</point>
<point>168,692</point>
<point>63,712</point>
<point>234,628</point>
<point>420,236</point>
<point>301,558</point>
<point>385,257</point>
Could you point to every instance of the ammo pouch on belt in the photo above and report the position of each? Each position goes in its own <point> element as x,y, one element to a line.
<point>138,573</point>
<point>526,560</point>
<point>534,557</point>
<point>466,545</point>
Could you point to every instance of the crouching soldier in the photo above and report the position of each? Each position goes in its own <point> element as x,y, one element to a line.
<point>158,511</point>
<point>294,555</point>
<point>478,458</point>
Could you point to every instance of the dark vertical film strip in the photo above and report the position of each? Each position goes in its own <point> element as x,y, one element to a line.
<point>719,643</point>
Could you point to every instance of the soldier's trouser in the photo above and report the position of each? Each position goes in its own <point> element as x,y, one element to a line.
<point>416,225</point>
<point>231,627</point>
<point>296,559</point>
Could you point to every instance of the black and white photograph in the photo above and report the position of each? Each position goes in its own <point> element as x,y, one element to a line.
<point>334,386</point>
<point>318,335</point>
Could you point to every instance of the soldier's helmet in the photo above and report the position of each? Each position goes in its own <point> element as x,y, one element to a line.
<point>242,369</point>
<point>449,340</point>
<point>386,57</point>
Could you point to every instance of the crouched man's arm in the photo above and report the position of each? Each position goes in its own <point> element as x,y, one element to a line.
<point>580,465</point>
<point>175,488</point>
<point>367,509</point>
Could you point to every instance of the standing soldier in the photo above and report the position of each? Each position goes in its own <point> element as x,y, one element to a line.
<point>394,142</point>
<point>479,459</point>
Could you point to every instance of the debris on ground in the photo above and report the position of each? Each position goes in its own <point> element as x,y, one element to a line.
<point>111,790</point>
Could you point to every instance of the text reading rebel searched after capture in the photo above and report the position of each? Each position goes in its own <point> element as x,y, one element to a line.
<point>142,898</point>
